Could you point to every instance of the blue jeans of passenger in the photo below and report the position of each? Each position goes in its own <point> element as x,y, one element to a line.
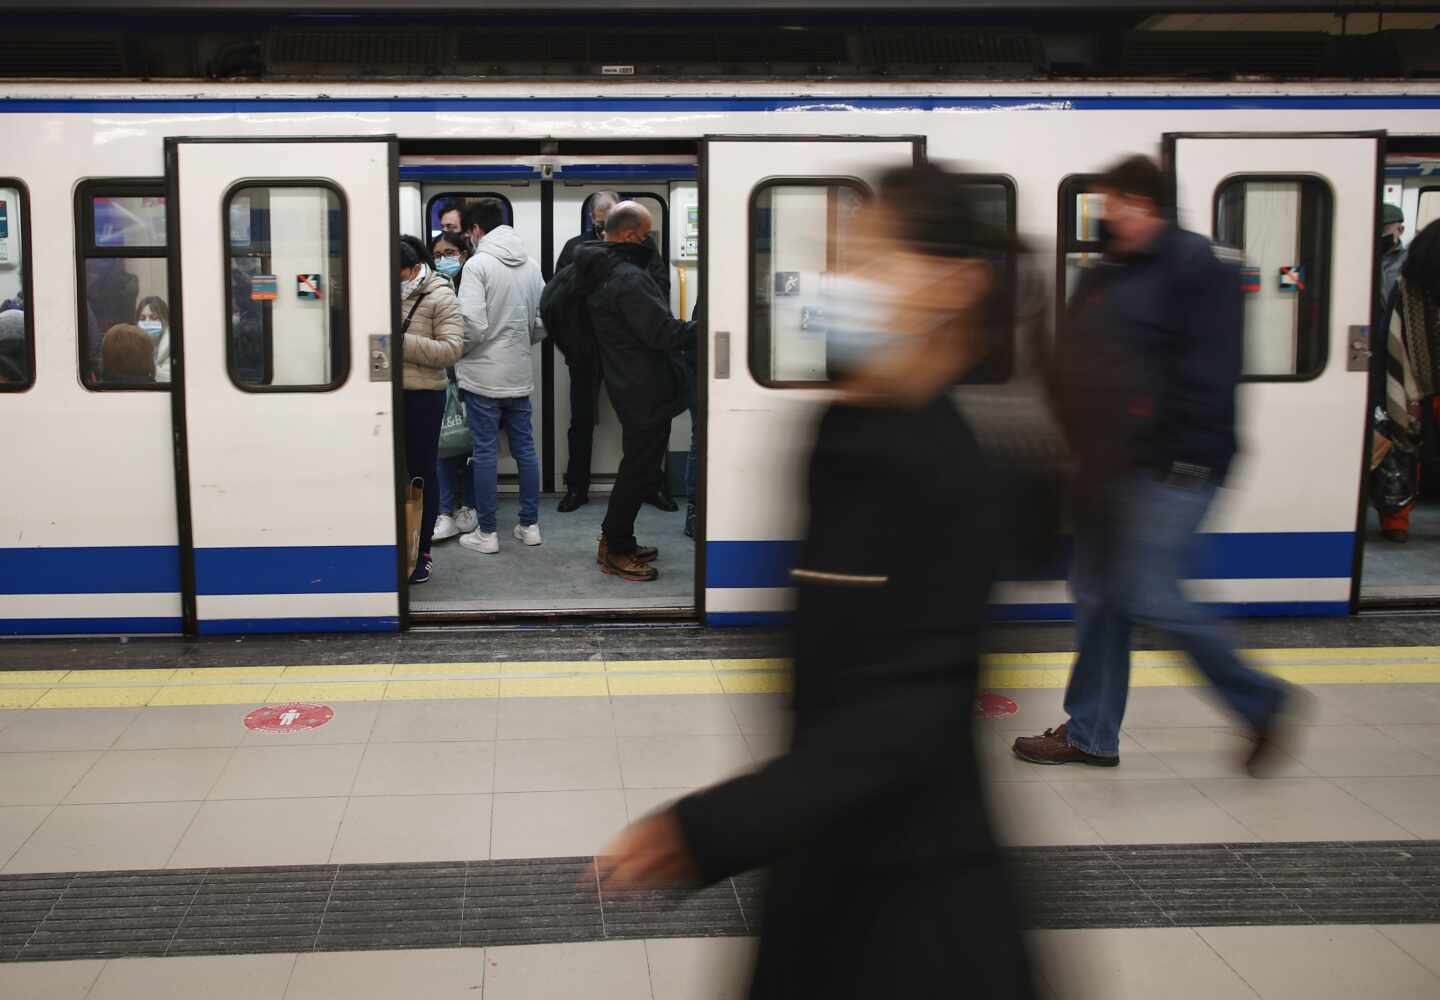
<point>453,470</point>
<point>1132,548</point>
<point>485,415</point>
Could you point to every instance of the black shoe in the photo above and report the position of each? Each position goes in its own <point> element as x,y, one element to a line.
<point>573,501</point>
<point>661,498</point>
<point>690,521</point>
<point>421,573</point>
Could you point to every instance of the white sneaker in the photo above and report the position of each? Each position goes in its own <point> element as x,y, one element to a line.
<point>445,528</point>
<point>466,520</point>
<point>529,534</point>
<point>481,541</point>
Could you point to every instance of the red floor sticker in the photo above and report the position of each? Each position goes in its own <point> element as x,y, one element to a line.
<point>289,718</point>
<point>989,705</point>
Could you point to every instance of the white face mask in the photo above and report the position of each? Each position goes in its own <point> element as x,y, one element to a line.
<point>152,326</point>
<point>408,287</point>
<point>855,315</point>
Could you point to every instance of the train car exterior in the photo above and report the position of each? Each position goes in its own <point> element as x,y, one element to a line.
<point>230,501</point>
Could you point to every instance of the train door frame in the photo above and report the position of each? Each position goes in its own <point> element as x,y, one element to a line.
<point>766,571</point>
<point>1173,170</point>
<point>185,500</point>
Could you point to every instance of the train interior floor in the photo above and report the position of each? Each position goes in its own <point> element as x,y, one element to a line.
<point>561,574</point>
<point>423,824</point>
<point>1411,570</point>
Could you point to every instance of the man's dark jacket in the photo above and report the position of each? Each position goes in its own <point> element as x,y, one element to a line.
<point>1150,358</point>
<point>638,339</point>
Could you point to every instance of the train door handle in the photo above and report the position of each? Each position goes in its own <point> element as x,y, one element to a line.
<point>722,353</point>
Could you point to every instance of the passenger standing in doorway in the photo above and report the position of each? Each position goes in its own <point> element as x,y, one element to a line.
<point>1392,249</point>
<point>452,212</point>
<point>500,297</point>
<point>433,335</point>
<point>638,340</point>
<point>1412,370</point>
<point>584,365</point>
<point>1149,365</point>
<point>450,251</point>
<point>885,879</point>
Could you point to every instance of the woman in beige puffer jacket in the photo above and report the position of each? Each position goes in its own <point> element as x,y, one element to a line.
<point>434,336</point>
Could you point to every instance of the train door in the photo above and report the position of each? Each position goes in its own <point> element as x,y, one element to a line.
<point>283,302</point>
<point>1300,210</point>
<point>777,214</point>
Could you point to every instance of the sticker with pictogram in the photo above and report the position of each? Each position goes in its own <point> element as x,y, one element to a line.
<point>989,705</point>
<point>288,718</point>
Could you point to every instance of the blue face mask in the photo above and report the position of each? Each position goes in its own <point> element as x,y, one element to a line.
<point>152,326</point>
<point>448,266</point>
<point>854,315</point>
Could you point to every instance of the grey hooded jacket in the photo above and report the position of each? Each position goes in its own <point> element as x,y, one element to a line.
<point>500,298</point>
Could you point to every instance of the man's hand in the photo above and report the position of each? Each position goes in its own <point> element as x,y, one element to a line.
<point>650,853</point>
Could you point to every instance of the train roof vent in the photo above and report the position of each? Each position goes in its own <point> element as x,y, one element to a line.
<point>292,51</point>
<point>989,52</point>
<point>510,46</point>
<point>55,54</point>
<point>1226,53</point>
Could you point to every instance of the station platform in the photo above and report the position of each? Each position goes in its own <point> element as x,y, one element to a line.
<point>416,816</point>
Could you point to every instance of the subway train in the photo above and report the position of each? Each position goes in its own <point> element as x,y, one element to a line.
<point>253,484</point>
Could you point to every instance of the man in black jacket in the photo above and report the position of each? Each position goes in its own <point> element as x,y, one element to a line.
<point>1150,362</point>
<point>638,340</point>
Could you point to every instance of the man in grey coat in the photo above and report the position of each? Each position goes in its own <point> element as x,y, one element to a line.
<point>499,299</point>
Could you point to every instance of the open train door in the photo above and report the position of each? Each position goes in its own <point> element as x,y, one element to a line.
<point>285,382</point>
<point>1301,211</point>
<point>776,224</point>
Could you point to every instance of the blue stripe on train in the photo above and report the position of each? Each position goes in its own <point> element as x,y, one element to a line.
<point>248,626</point>
<point>300,569</point>
<point>110,569</point>
<point>1251,555</point>
<point>1066,612</point>
<point>90,626</point>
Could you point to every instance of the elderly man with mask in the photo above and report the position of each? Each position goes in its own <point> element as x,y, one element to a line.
<point>637,341</point>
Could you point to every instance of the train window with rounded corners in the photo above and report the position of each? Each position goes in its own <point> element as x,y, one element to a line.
<point>800,241</point>
<point>659,214</point>
<point>1427,208</point>
<point>124,285</point>
<point>17,321</point>
<point>1281,224</point>
<point>286,293</point>
<point>450,202</point>
<point>1079,245</point>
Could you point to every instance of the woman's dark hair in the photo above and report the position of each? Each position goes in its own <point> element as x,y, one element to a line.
<point>454,239</point>
<point>1422,261</point>
<point>412,251</point>
<point>156,305</point>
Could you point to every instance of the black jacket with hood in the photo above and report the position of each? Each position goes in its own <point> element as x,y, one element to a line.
<point>638,339</point>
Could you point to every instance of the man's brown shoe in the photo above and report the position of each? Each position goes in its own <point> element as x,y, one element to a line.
<point>626,565</point>
<point>1051,747</point>
<point>642,553</point>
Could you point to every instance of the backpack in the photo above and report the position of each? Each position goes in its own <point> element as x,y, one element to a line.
<point>566,319</point>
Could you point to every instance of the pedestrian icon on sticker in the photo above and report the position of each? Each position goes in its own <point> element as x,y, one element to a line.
<point>1292,279</point>
<point>264,288</point>
<point>307,286</point>
<point>787,282</point>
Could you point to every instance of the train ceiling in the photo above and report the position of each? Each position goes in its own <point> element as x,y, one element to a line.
<point>724,39</point>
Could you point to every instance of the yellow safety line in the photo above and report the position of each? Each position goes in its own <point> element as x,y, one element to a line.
<point>100,688</point>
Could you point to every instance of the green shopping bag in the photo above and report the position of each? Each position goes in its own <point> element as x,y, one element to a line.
<point>454,432</point>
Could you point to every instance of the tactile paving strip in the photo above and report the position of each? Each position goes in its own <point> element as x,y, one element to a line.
<point>477,903</point>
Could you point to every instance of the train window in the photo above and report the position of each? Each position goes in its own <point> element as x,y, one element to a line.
<point>17,324</point>
<point>1079,244</point>
<point>799,234</point>
<point>286,297</point>
<point>993,202</point>
<point>659,215</point>
<point>1427,208</point>
<point>446,203</point>
<point>124,312</point>
<point>1282,225</point>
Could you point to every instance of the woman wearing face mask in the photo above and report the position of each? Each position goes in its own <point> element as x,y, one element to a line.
<point>873,823</point>
<point>450,251</point>
<point>433,332</point>
<point>153,316</point>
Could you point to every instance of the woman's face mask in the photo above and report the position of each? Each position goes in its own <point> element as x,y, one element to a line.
<point>152,326</point>
<point>854,313</point>
<point>406,287</point>
<point>448,266</point>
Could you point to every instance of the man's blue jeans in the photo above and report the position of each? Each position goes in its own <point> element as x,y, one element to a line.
<point>484,415</point>
<point>1133,546</point>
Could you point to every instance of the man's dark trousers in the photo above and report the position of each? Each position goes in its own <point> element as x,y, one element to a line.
<point>644,447</point>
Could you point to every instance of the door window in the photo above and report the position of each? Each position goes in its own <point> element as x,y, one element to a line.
<point>17,322</point>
